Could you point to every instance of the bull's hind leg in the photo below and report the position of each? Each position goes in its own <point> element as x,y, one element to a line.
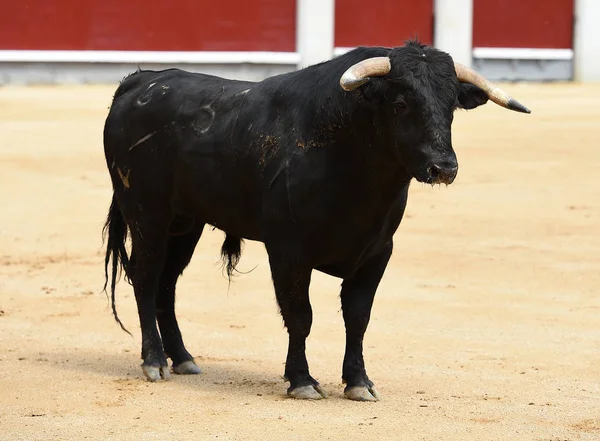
<point>357,297</point>
<point>180,249</point>
<point>291,280</point>
<point>149,242</point>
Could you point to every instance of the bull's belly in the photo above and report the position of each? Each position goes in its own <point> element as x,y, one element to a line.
<point>222,200</point>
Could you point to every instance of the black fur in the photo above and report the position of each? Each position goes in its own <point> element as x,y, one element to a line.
<point>231,252</point>
<point>114,233</point>
<point>317,174</point>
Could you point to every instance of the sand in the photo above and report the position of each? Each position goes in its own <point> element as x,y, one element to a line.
<point>486,325</point>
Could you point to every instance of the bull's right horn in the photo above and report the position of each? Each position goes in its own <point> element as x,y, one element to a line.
<point>359,73</point>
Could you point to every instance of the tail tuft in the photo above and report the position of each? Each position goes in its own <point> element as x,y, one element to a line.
<point>116,230</point>
<point>231,252</point>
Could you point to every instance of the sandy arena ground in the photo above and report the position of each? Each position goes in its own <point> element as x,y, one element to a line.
<point>485,327</point>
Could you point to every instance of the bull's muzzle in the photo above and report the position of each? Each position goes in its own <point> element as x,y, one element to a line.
<point>442,174</point>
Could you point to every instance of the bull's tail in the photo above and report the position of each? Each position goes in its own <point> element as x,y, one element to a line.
<point>117,230</point>
<point>231,252</point>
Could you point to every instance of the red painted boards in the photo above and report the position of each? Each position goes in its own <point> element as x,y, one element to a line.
<point>523,23</point>
<point>154,25</point>
<point>382,22</point>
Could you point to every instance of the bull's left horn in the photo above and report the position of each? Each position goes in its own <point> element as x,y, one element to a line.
<point>497,95</point>
<point>359,73</point>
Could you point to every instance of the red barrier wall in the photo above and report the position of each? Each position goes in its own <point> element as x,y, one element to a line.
<point>269,25</point>
<point>523,23</point>
<point>382,22</point>
<point>155,25</point>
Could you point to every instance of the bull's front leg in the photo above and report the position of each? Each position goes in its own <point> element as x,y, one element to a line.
<point>291,280</point>
<point>357,296</point>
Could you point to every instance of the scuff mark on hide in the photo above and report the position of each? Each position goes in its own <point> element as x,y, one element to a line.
<point>124,178</point>
<point>276,175</point>
<point>146,96</point>
<point>206,116</point>
<point>238,114</point>
<point>268,147</point>
<point>145,138</point>
<point>285,169</point>
<point>205,119</point>
<point>287,190</point>
<point>309,144</point>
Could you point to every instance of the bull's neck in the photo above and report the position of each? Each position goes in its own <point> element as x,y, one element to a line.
<point>373,148</point>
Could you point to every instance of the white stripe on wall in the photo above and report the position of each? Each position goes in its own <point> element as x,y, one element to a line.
<point>170,57</point>
<point>513,53</point>
<point>341,50</point>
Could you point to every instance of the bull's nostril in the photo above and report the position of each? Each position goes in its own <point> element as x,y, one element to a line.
<point>434,172</point>
<point>444,175</point>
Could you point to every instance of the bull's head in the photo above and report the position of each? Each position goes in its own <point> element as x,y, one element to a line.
<point>418,90</point>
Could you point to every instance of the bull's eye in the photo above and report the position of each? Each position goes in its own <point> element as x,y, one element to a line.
<point>400,106</point>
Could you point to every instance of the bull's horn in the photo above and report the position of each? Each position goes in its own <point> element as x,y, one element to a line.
<point>359,74</point>
<point>497,95</point>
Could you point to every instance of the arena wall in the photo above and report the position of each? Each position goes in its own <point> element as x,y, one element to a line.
<point>90,41</point>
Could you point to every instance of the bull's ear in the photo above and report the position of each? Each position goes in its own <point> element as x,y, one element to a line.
<point>471,96</point>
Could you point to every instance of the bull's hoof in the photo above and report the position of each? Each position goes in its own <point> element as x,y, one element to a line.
<point>187,368</point>
<point>309,392</point>
<point>155,373</point>
<point>362,393</point>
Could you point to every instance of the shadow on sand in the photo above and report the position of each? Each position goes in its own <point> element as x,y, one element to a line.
<point>245,377</point>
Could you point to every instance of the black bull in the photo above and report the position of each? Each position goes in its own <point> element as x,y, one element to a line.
<point>316,164</point>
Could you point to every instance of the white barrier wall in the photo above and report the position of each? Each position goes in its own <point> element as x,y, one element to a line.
<point>453,30</point>
<point>315,23</point>
<point>587,40</point>
<point>315,38</point>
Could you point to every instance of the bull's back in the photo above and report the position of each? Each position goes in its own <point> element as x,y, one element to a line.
<point>174,129</point>
<point>164,100</point>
